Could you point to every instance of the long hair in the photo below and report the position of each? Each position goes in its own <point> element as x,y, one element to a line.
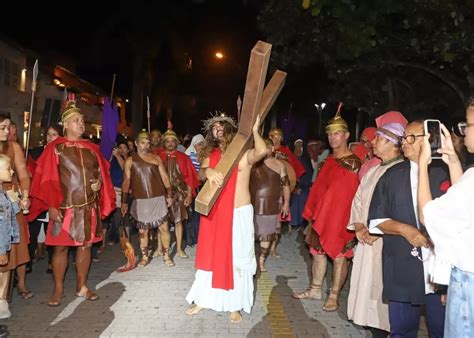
<point>4,144</point>
<point>212,142</point>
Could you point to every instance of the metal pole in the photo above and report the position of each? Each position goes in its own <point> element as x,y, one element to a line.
<point>148,112</point>
<point>33,90</point>
<point>112,90</point>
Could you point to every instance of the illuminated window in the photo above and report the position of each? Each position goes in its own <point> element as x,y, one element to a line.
<point>9,73</point>
<point>26,118</point>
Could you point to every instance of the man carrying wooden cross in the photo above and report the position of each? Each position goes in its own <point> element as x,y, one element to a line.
<point>231,218</point>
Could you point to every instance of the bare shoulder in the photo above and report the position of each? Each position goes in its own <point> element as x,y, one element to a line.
<point>156,159</point>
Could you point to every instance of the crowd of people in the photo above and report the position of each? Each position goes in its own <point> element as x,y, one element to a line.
<point>403,220</point>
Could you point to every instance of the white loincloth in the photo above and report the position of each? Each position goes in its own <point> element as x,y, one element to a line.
<point>245,266</point>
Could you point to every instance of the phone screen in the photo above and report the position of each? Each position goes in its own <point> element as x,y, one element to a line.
<point>433,127</point>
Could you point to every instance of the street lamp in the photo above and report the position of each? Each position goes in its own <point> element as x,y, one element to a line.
<point>320,109</point>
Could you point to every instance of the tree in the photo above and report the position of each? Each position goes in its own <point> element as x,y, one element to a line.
<point>379,51</point>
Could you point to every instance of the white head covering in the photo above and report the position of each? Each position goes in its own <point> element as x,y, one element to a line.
<point>196,139</point>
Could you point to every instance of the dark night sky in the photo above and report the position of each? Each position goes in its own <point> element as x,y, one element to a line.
<point>202,27</point>
<point>206,26</point>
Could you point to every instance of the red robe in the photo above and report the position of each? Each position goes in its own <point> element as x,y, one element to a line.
<point>329,205</point>
<point>214,249</point>
<point>185,167</point>
<point>46,187</point>
<point>295,163</point>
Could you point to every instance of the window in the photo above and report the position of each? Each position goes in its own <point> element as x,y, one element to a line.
<point>9,73</point>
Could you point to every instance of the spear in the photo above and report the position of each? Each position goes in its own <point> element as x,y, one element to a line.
<point>33,90</point>
<point>148,112</point>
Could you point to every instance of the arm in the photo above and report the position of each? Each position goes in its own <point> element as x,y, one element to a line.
<point>23,176</point>
<point>449,157</point>
<point>214,176</point>
<point>260,148</point>
<point>410,233</point>
<point>203,169</point>
<point>286,190</point>
<point>126,185</point>
<point>189,196</point>
<point>166,181</point>
<point>119,158</point>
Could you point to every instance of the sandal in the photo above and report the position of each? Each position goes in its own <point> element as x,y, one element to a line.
<point>332,302</point>
<point>275,254</point>
<point>167,259</point>
<point>26,294</point>
<point>88,295</point>
<point>193,310</point>
<point>182,254</point>
<point>235,317</point>
<point>313,292</point>
<point>54,303</point>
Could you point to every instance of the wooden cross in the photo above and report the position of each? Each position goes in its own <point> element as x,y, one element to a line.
<point>257,101</point>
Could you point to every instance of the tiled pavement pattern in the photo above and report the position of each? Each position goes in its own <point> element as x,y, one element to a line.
<point>149,302</point>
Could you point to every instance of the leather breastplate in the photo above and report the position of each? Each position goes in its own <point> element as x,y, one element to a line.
<point>175,175</point>
<point>78,167</point>
<point>264,190</point>
<point>145,179</point>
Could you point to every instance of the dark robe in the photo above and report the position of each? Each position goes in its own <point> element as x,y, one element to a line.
<point>403,276</point>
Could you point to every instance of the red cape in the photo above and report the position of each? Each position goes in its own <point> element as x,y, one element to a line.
<point>46,187</point>
<point>297,165</point>
<point>185,167</point>
<point>329,205</point>
<point>214,249</point>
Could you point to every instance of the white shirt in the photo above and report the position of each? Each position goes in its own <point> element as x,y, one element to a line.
<point>449,220</point>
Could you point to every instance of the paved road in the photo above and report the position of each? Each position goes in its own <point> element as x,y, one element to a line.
<point>149,302</point>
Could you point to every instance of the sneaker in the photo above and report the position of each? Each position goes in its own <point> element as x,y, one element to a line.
<point>4,309</point>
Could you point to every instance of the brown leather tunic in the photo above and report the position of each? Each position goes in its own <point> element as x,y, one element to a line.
<point>178,211</point>
<point>145,179</point>
<point>264,190</point>
<point>78,167</point>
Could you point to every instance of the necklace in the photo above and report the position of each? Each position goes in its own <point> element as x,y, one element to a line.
<point>399,157</point>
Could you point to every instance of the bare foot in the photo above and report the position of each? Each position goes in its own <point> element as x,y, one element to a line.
<point>235,317</point>
<point>182,254</point>
<point>86,293</point>
<point>55,299</point>
<point>193,310</point>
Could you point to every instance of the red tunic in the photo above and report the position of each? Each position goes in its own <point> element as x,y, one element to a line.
<point>329,205</point>
<point>185,167</point>
<point>46,186</point>
<point>214,250</point>
<point>297,165</point>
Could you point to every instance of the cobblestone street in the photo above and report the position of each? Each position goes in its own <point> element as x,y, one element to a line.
<point>150,302</point>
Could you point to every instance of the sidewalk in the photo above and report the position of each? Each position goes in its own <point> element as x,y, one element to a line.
<point>150,302</point>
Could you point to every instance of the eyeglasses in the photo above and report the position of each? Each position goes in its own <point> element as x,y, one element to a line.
<point>410,139</point>
<point>462,126</point>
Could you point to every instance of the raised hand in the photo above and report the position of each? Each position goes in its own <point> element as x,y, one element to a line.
<point>214,177</point>
<point>449,153</point>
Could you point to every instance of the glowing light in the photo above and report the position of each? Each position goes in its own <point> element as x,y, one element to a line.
<point>219,55</point>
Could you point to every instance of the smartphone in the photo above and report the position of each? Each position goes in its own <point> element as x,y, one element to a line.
<point>434,128</point>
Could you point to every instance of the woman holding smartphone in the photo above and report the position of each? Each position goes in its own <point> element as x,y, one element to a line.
<point>449,220</point>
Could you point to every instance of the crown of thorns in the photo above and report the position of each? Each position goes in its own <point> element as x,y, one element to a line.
<point>218,117</point>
